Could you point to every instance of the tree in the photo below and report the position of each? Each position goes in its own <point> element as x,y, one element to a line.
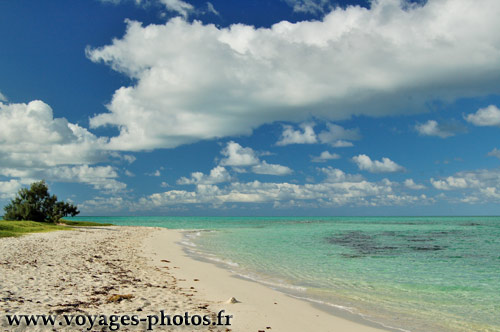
<point>37,204</point>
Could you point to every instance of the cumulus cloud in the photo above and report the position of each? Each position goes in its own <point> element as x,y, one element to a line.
<point>374,166</point>
<point>125,157</point>
<point>100,177</point>
<point>304,136</point>
<point>449,183</point>
<point>54,149</point>
<point>409,183</point>
<point>336,175</point>
<point>337,136</point>
<point>478,186</point>
<point>433,128</point>
<point>271,169</point>
<point>325,156</point>
<point>51,141</point>
<point>489,116</point>
<point>2,97</point>
<point>217,175</point>
<point>491,192</point>
<point>326,194</point>
<point>310,6</point>
<point>236,155</point>
<point>9,188</point>
<point>178,6</point>
<point>195,81</point>
<point>99,204</point>
<point>239,157</point>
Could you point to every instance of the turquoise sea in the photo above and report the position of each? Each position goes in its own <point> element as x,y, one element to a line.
<point>419,274</point>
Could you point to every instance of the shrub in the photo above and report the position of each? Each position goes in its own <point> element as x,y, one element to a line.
<point>37,204</point>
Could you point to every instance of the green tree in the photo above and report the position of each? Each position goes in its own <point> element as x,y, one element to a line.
<point>37,204</point>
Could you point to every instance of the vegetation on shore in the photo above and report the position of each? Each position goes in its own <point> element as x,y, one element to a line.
<point>10,228</point>
<point>82,223</point>
<point>36,204</point>
<point>34,210</point>
<point>18,228</point>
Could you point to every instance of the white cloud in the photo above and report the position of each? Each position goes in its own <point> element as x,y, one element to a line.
<point>334,135</point>
<point>374,166</point>
<point>99,204</point>
<point>239,157</point>
<point>196,81</point>
<point>2,97</point>
<point>54,149</point>
<point>126,157</point>
<point>309,6</point>
<point>449,183</point>
<point>291,136</point>
<point>178,6</point>
<point>478,186</point>
<point>271,169</point>
<point>51,141</point>
<point>479,179</point>
<point>409,183</point>
<point>337,136</point>
<point>324,156</point>
<point>217,175</point>
<point>236,155</point>
<point>360,193</point>
<point>335,175</point>
<point>9,188</point>
<point>489,116</point>
<point>494,153</point>
<point>100,177</point>
<point>433,128</point>
<point>129,158</point>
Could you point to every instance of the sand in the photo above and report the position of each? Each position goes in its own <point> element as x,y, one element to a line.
<point>78,272</point>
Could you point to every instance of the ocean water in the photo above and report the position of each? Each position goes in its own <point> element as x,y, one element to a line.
<point>419,274</point>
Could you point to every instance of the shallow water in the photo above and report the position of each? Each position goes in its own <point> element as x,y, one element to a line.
<point>413,273</point>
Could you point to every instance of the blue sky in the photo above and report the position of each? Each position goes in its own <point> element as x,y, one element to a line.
<point>291,107</point>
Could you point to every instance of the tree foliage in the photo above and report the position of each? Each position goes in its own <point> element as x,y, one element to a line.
<point>37,204</point>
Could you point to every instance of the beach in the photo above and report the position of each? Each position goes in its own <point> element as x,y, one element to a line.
<point>141,271</point>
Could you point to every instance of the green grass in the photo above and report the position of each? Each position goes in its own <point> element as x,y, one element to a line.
<point>18,228</point>
<point>10,228</point>
<point>83,223</point>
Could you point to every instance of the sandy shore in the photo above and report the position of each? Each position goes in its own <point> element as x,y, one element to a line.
<point>81,272</point>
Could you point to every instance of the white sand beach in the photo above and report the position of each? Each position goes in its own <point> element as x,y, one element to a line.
<point>79,271</point>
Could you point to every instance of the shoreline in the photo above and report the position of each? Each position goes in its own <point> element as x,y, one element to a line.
<point>82,272</point>
<point>260,306</point>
